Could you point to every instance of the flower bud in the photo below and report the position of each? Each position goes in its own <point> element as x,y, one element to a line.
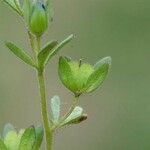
<point>38,19</point>
<point>82,78</point>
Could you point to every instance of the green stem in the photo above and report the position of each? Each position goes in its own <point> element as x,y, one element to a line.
<point>31,38</point>
<point>45,117</point>
<point>38,39</point>
<point>44,111</point>
<point>40,71</point>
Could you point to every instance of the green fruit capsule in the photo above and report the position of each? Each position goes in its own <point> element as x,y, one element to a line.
<point>38,19</point>
<point>83,78</point>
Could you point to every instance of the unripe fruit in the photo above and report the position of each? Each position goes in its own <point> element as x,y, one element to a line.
<point>80,75</point>
<point>83,78</point>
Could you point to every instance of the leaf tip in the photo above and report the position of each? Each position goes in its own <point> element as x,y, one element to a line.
<point>107,60</point>
<point>70,37</point>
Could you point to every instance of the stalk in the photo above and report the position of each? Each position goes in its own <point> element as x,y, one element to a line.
<point>31,39</point>
<point>43,102</point>
<point>45,117</point>
<point>47,130</point>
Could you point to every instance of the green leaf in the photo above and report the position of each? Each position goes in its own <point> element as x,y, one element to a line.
<point>17,3</point>
<point>7,128</point>
<point>65,72</point>
<point>43,56</point>
<point>74,116</point>
<point>58,47</point>
<point>76,120</point>
<point>20,53</point>
<point>28,139</point>
<point>12,4</point>
<point>99,75</point>
<point>2,145</point>
<point>39,137</point>
<point>55,107</point>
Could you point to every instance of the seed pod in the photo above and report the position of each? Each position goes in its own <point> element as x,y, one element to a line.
<point>82,78</point>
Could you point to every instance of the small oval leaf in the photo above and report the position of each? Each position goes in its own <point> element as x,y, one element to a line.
<point>55,107</point>
<point>74,116</point>
<point>20,53</point>
<point>76,120</point>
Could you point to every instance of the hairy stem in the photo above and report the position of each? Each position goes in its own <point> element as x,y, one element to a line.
<point>31,39</point>
<point>38,39</point>
<point>40,73</point>
<point>45,118</point>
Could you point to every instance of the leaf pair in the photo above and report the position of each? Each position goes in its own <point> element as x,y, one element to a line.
<point>43,57</point>
<point>50,50</point>
<point>75,117</point>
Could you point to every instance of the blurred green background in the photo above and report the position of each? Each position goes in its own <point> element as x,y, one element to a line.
<point>119,112</point>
